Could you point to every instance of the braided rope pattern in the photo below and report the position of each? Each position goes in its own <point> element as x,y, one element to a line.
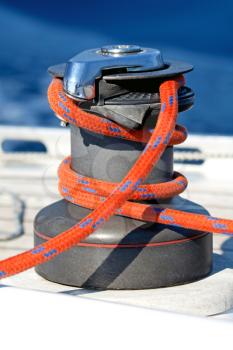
<point>108,199</point>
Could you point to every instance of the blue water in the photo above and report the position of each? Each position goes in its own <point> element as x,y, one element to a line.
<point>34,36</point>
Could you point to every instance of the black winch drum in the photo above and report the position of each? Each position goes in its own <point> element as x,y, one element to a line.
<point>124,253</point>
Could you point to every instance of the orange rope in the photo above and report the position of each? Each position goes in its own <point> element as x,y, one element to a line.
<point>108,199</point>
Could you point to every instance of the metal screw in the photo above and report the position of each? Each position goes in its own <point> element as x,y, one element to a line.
<point>63,124</point>
<point>120,49</point>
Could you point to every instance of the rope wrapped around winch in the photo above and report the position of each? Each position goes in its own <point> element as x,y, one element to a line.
<point>107,199</point>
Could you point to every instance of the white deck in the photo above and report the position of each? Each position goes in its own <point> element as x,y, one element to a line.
<point>32,177</point>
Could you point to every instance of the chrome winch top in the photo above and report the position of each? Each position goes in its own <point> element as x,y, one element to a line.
<point>113,62</point>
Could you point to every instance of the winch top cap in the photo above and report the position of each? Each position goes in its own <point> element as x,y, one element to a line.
<point>113,62</point>
<point>83,69</point>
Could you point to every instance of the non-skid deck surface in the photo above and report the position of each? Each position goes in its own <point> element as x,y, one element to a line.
<point>208,164</point>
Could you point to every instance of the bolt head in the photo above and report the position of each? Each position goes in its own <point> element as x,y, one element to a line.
<point>63,124</point>
<point>120,49</point>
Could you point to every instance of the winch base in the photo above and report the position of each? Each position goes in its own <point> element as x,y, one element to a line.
<point>125,253</point>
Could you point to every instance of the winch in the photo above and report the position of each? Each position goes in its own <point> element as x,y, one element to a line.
<point>113,97</point>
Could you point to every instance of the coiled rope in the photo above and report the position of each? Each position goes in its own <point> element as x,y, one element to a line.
<point>108,199</point>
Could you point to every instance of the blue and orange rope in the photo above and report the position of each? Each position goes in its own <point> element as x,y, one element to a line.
<point>107,199</point>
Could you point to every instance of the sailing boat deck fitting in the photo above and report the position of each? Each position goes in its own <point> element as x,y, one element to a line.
<point>121,86</point>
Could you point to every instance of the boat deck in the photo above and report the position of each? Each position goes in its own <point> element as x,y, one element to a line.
<point>28,182</point>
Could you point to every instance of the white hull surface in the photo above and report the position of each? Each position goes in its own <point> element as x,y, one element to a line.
<point>31,179</point>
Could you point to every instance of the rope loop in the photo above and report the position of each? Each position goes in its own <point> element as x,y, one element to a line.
<point>107,199</point>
